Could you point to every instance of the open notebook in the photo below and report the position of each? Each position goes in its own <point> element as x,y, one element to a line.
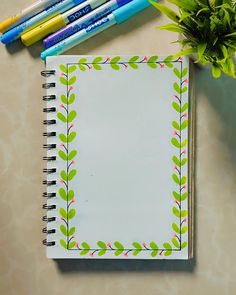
<point>119,157</point>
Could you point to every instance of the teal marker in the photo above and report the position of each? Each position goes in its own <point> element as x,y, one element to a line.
<point>116,17</point>
<point>57,8</point>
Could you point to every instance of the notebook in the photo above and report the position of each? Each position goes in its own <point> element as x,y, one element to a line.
<point>119,160</point>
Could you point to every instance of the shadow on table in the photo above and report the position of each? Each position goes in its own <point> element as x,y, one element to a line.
<point>106,36</point>
<point>101,265</point>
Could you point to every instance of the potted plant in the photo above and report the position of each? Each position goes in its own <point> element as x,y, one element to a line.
<point>207,29</point>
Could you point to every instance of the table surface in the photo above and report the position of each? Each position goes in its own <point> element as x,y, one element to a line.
<point>24,268</point>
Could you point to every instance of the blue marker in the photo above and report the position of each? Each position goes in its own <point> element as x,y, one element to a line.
<point>59,7</point>
<point>116,17</point>
<point>83,22</point>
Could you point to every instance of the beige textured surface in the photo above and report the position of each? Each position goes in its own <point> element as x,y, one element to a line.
<point>24,269</point>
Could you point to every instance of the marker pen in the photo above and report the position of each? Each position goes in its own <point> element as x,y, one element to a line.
<point>116,17</point>
<point>58,7</point>
<point>83,22</point>
<point>25,14</point>
<point>59,21</point>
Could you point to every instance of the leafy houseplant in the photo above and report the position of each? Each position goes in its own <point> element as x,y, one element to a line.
<point>208,30</point>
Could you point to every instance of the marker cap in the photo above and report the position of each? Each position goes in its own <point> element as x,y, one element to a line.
<point>7,23</point>
<point>130,9</point>
<point>45,29</point>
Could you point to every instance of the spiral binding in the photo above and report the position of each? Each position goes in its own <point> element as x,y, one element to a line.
<point>49,146</point>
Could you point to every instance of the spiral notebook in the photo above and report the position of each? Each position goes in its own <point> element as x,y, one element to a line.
<point>119,157</point>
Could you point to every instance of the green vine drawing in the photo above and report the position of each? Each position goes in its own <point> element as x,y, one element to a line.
<point>180,194</point>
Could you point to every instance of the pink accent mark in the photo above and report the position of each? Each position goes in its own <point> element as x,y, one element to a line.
<point>145,58</point>
<point>185,220</point>
<point>62,105</point>
<point>186,81</point>
<point>175,236</point>
<point>184,151</point>
<point>126,254</point>
<point>184,186</point>
<point>77,245</point>
<point>175,133</point>
<point>91,254</point>
<point>73,201</point>
<point>162,66</point>
<point>61,181</point>
<point>144,245</point>
<point>185,115</point>
<point>71,88</point>
<point>180,58</point>
<point>175,167</point>
<point>72,125</point>
<point>109,245</point>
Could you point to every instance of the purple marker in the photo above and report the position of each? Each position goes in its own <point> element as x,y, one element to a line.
<point>83,22</point>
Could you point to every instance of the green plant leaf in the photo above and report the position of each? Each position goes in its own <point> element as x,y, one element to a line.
<point>154,253</point>
<point>137,245</point>
<point>184,107</point>
<point>71,136</point>
<point>71,69</point>
<point>82,60</point>
<point>177,73</point>
<point>176,179</point>
<point>184,89</point>
<point>85,246</point>
<point>97,60</point>
<point>61,117</point>
<point>102,245</point>
<point>136,252</point>
<point>71,213</point>
<point>118,252</point>
<point>64,99</point>
<point>183,180</point>
<point>176,125</point>
<point>71,195</point>
<point>71,98</point>
<point>102,252</point>
<point>154,246</point>
<point>72,244</point>
<point>175,142</point>
<point>176,243</point>
<point>184,143</point>
<point>166,10</point>
<point>71,174</point>
<point>71,231</point>
<point>183,245</point>
<point>72,80</point>
<point>175,228</point>
<point>184,196</point>
<point>62,155</point>
<point>168,61</point>
<point>63,194</point>
<point>201,49</point>
<point>82,67</point>
<point>63,244</point>
<point>176,160</point>
<point>184,124</point>
<point>172,28</point>
<point>63,175</point>
<point>118,245</point>
<point>188,51</point>
<point>176,196</point>
<point>177,88</point>
<point>216,72</point>
<point>184,72</point>
<point>184,213</point>
<point>72,154</point>
<point>84,252</point>
<point>132,62</point>
<point>176,212</point>
<point>63,213</point>
<point>97,67</point>
<point>183,162</point>
<point>167,246</point>
<point>63,80</point>
<point>184,230</point>
<point>71,116</point>
<point>176,106</point>
<point>114,62</point>
<point>63,230</point>
<point>63,68</point>
<point>63,138</point>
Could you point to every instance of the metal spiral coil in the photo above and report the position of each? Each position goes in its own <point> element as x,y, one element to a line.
<point>49,158</point>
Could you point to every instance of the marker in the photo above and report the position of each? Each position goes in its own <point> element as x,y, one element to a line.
<point>59,21</point>
<point>116,17</point>
<point>58,7</point>
<point>25,14</point>
<point>83,22</point>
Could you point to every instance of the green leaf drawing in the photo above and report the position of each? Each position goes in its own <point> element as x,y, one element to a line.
<point>97,67</point>
<point>63,229</point>
<point>176,160</point>
<point>63,194</point>
<point>184,143</point>
<point>168,62</point>
<point>184,196</point>
<point>71,213</point>
<point>185,88</point>
<point>63,138</point>
<point>175,228</point>
<point>63,175</point>
<point>176,196</point>
<point>63,244</point>
<point>114,62</point>
<point>137,245</point>
<point>183,180</point>
<point>102,245</point>
<point>72,174</point>
<point>71,69</point>
<point>62,155</point>
<point>177,73</point>
<point>71,98</point>
<point>64,99</point>
<point>184,229</point>
<point>63,80</point>
<point>176,243</point>
<point>71,195</point>
<point>136,252</point>
<point>72,80</point>
<point>184,161</point>
<point>102,252</point>
<point>71,116</point>
<point>72,244</point>
<point>118,252</point>
<point>176,125</point>
<point>118,245</point>
<point>97,60</point>
<point>152,61</point>
<point>168,248</point>
<point>61,117</point>
<point>82,60</point>
<point>184,124</point>
<point>132,62</point>
<point>183,245</point>
<point>84,252</point>
<point>63,213</point>
<point>176,106</point>
<point>184,213</point>
<point>154,246</point>
<point>184,72</point>
<point>176,179</point>
<point>82,67</point>
<point>71,231</point>
<point>72,136</point>
<point>175,142</point>
<point>63,68</point>
<point>72,154</point>
<point>154,253</point>
<point>85,246</point>
<point>177,88</point>
<point>176,212</point>
<point>184,107</point>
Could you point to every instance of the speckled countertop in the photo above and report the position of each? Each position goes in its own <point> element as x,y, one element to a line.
<point>24,268</point>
